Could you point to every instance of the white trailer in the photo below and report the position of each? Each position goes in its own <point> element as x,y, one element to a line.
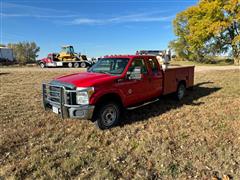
<point>6,54</point>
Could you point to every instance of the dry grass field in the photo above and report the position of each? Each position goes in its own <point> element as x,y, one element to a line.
<point>197,138</point>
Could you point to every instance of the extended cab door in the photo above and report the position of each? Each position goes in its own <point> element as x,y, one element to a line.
<point>136,91</point>
<point>156,78</point>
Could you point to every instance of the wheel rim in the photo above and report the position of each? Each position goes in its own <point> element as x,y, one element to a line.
<point>109,116</point>
<point>70,65</point>
<point>181,91</point>
<point>42,65</point>
<point>76,65</point>
<point>83,65</point>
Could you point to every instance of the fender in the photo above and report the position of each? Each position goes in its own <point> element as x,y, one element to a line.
<point>99,94</point>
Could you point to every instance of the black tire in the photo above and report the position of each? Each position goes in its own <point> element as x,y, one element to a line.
<point>70,65</point>
<point>108,115</point>
<point>76,65</point>
<point>42,65</point>
<point>181,90</point>
<point>83,65</point>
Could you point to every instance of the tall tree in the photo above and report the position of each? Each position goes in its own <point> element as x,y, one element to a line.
<point>25,51</point>
<point>209,28</point>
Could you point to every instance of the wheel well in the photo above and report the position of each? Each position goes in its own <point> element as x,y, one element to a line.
<point>111,97</point>
<point>182,82</point>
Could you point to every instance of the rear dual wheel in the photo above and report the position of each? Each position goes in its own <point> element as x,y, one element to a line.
<point>83,65</point>
<point>76,65</point>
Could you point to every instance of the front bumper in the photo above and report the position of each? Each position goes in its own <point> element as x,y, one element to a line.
<point>60,99</point>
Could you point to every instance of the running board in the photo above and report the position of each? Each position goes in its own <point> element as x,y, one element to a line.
<point>147,103</point>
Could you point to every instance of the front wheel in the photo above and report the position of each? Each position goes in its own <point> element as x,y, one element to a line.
<point>108,115</point>
<point>180,91</point>
<point>42,65</point>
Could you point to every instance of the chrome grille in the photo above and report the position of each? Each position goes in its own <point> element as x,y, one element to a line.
<point>61,95</point>
<point>57,93</point>
<point>52,93</point>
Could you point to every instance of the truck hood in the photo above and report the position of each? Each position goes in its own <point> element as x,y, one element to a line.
<point>86,79</point>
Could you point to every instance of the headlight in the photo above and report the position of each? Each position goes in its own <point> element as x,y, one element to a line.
<point>83,95</point>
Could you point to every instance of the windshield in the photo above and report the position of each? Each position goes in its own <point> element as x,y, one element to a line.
<point>110,66</point>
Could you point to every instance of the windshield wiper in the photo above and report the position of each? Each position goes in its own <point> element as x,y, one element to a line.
<point>103,72</point>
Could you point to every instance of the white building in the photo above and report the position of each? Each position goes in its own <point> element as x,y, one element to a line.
<point>6,54</point>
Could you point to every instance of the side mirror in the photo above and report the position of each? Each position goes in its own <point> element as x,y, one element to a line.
<point>135,75</point>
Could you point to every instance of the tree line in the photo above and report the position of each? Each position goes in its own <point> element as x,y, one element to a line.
<point>24,52</point>
<point>210,28</point>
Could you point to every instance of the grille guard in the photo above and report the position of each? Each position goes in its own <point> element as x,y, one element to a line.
<point>64,97</point>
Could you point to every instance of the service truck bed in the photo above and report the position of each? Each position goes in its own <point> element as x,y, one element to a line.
<point>174,74</point>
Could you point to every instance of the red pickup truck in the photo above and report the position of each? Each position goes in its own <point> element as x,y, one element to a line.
<point>114,83</point>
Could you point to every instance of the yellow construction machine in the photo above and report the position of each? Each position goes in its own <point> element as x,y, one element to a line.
<point>67,54</point>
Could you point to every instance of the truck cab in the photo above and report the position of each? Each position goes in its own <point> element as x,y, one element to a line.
<point>114,83</point>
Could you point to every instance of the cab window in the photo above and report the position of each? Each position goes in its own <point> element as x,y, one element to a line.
<point>153,65</point>
<point>138,63</point>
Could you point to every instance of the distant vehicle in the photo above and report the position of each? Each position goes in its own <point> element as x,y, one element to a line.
<point>115,83</point>
<point>96,59</point>
<point>66,58</point>
<point>6,54</point>
<point>151,52</point>
<point>163,56</point>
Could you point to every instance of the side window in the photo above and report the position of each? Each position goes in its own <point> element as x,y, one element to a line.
<point>71,50</point>
<point>153,65</point>
<point>138,63</point>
